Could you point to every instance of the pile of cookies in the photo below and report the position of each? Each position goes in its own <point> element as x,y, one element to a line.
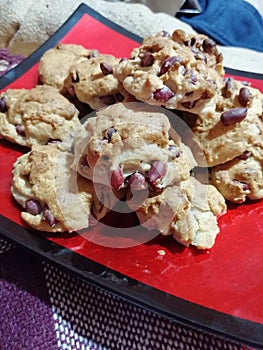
<point>75,173</point>
<point>133,150</point>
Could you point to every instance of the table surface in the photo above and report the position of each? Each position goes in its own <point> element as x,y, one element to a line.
<point>46,308</point>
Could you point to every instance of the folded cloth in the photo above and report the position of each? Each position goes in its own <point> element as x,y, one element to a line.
<point>232,23</point>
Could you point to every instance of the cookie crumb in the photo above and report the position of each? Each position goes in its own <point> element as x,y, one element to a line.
<point>161,252</point>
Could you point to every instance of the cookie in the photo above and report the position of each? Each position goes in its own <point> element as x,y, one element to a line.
<point>188,211</point>
<point>167,71</point>
<point>227,125</point>
<point>93,82</point>
<point>129,144</point>
<point>242,177</point>
<point>55,198</point>
<point>56,62</point>
<point>37,116</point>
<point>203,48</point>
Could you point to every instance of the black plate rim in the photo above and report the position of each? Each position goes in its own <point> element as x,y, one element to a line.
<point>175,308</point>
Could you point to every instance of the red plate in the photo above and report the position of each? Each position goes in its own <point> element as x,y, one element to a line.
<point>220,290</point>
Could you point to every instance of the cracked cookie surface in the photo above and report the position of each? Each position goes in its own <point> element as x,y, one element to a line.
<point>242,177</point>
<point>132,141</point>
<point>172,71</point>
<point>37,116</point>
<point>93,82</point>
<point>227,126</point>
<point>53,196</point>
<point>56,62</point>
<point>188,211</point>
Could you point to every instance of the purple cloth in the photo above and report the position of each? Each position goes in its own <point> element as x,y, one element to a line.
<point>26,316</point>
<point>44,308</point>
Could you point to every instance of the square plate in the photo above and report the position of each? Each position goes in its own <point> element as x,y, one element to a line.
<point>219,290</point>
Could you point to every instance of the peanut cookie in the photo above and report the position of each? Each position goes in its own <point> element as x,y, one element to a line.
<point>56,62</point>
<point>188,211</point>
<point>93,82</point>
<point>227,125</point>
<point>168,71</point>
<point>242,177</point>
<point>53,196</point>
<point>37,116</point>
<point>129,144</point>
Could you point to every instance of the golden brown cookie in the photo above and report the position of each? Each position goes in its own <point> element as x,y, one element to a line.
<point>188,211</point>
<point>128,144</point>
<point>93,82</point>
<point>203,48</point>
<point>168,71</point>
<point>242,177</point>
<point>37,116</point>
<point>53,196</point>
<point>56,62</point>
<point>227,126</point>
